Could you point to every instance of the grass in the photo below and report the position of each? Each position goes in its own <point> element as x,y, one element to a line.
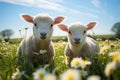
<point>8,60</point>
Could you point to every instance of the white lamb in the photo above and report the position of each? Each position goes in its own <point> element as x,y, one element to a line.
<point>38,48</point>
<point>79,45</point>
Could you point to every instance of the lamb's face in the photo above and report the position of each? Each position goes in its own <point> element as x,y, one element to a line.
<point>43,27</point>
<point>77,34</point>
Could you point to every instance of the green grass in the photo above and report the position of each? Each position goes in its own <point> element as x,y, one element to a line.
<point>8,60</point>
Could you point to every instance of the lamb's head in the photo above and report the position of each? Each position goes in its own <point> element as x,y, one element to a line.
<point>42,25</point>
<point>77,32</point>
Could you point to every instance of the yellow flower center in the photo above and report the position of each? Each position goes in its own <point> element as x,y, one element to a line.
<point>77,63</point>
<point>115,57</point>
<point>84,62</point>
<point>103,50</point>
<point>41,75</point>
<point>110,69</point>
<point>70,77</point>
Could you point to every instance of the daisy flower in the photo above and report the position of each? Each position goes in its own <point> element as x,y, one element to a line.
<point>39,74</point>
<point>43,51</point>
<point>71,75</point>
<point>115,56</point>
<point>79,62</point>
<point>17,74</point>
<point>50,77</point>
<point>76,62</point>
<point>93,77</point>
<point>110,67</point>
<point>85,63</point>
<point>103,50</point>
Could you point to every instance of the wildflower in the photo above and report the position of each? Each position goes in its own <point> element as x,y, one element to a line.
<point>99,39</point>
<point>110,67</point>
<point>93,77</point>
<point>83,73</point>
<point>43,51</point>
<point>115,56</point>
<point>85,63</point>
<point>39,74</point>
<point>50,77</point>
<point>71,75</point>
<point>112,46</point>
<point>17,74</point>
<point>79,62</point>
<point>104,50</point>
<point>76,62</point>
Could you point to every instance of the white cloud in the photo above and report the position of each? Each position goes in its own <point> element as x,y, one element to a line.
<point>19,2</point>
<point>96,3</point>
<point>45,4</point>
<point>49,4</point>
<point>55,5</point>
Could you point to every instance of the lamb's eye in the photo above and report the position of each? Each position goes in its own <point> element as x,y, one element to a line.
<point>35,24</point>
<point>69,32</point>
<point>51,25</point>
<point>85,31</point>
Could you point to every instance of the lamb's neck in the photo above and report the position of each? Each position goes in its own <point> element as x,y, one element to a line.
<point>42,44</point>
<point>75,48</point>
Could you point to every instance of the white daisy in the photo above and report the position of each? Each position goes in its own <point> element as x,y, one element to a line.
<point>17,74</point>
<point>43,51</point>
<point>110,67</point>
<point>71,75</point>
<point>76,62</point>
<point>104,50</point>
<point>84,63</point>
<point>39,74</point>
<point>115,56</point>
<point>79,62</point>
<point>50,77</point>
<point>93,77</point>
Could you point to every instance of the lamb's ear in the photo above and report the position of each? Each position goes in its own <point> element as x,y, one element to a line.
<point>63,27</point>
<point>90,25</point>
<point>27,18</point>
<point>59,19</point>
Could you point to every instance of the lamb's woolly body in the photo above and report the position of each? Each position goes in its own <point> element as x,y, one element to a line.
<point>30,46</point>
<point>89,49</point>
<point>79,45</point>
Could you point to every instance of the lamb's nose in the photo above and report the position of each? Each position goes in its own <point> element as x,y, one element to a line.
<point>43,34</point>
<point>77,39</point>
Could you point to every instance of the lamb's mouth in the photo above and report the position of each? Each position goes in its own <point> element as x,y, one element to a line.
<point>77,42</point>
<point>43,37</point>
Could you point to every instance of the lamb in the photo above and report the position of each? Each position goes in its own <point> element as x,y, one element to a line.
<point>79,45</point>
<point>38,48</point>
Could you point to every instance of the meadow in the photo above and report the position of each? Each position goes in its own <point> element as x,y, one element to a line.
<point>10,69</point>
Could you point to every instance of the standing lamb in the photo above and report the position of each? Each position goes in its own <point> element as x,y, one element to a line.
<point>38,48</point>
<point>79,45</point>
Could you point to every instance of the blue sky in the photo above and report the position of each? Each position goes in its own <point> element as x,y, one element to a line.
<point>104,12</point>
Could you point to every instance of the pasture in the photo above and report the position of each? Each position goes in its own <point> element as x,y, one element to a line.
<point>9,64</point>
